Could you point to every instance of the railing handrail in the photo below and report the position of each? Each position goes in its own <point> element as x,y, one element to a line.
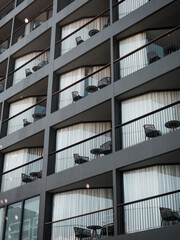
<point>62,39</point>
<point>7,4</point>
<point>19,113</point>
<point>80,80</point>
<point>81,215</point>
<point>148,114</point>
<point>148,198</point>
<point>82,141</point>
<point>24,24</point>
<point>11,170</point>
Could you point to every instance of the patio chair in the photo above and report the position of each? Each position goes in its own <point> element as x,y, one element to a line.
<point>80,159</point>
<point>39,112</point>
<point>26,178</point>
<point>150,131</point>
<point>168,216</point>
<point>79,40</point>
<point>104,82</point>
<point>106,148</point>
<point>82,233</point>
<point>26,122</point>
<point>28,72</point>
<point>152,57</point>
<point>76,96</point>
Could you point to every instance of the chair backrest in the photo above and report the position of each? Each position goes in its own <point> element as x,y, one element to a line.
<point>28,71</point>
<point>82,232</point>
<point>79,40</point>
<point>149,128</point>
<point>166,213</point>
<point>75,94</point>
<point>76,156</point>
<point>151,55</point>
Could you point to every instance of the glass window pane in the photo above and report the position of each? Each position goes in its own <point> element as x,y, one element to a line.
<point>13,221</point>
<point>2,215</point>
<point>30,219</point>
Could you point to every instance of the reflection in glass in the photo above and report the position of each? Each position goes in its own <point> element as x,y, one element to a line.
<point>2,215</point>
<point>13,221</point>
<point>30,218</point>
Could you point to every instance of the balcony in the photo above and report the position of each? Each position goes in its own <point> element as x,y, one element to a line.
<point>6,7</point>
<point>21,167</point>
<point>148,126</point>
<point>88,141</point>
<point>25,23</point>
<point>23,113</point>
<point>144,49</point>
<point>149,213</point>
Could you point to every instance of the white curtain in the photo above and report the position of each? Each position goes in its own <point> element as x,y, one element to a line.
<point>70,42</point>
<point>65,97</point>
<point>147,182</point>
<point>16,123</point>
<point>78,202</point>
<point>18,158</point>
<point>136,60</point>
<point>132,108</point>
<point>76,133</point>
<point>2,220</point>
<point>21,74</point>
<point>128,6</point>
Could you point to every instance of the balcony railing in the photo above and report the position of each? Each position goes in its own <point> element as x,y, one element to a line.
<point>24,117</point>
<point>97,224</point>
<point>148,126</point>
<point>124,7</point>
<point>34,22</point>
<point>8,7</point>
<point>81,152</point>
<point>80,88</point>
<point>149,213</point>
<point>142,56</point>
<point>84,29</point>
<point>22,174</point>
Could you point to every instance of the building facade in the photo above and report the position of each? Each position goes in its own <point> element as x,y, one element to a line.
<point>90,119</point>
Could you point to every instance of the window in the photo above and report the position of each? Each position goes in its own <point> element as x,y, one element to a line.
<point>14,220</point>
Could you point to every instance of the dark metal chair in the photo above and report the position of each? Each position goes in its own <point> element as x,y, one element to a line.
<point>79,40</point>
<point>26,178</point>
<point>106,148</point>
<point>168,216</point>
<point>28,72</point>
<point>80,159</point>
<point>152,57</point>
<point>26,122</point>
<point>104,82</point>
<point>150,131</point>
<point>82,233</point>
<point>76,96</point>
